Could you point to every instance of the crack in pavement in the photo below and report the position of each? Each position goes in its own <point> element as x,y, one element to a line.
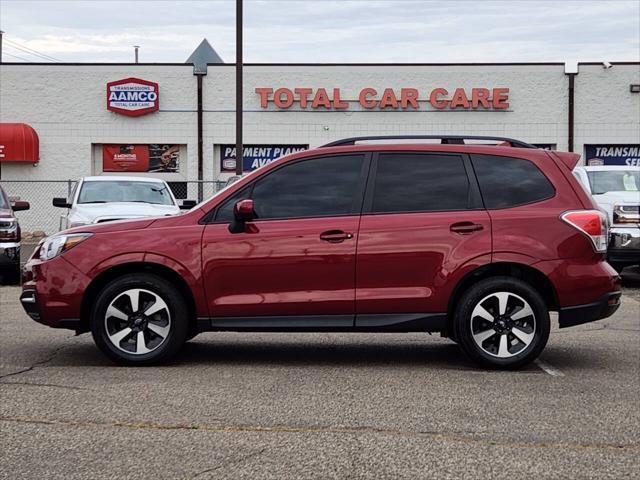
<point>228,463</point>
<point>35,384</point>
<point>35,365</point>
<point>41,362</point>
<point>462,437</point>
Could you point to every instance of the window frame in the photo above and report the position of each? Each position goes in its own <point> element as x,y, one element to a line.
<point>544,175</point>
<point>356,206</point>
<point>474,199</point>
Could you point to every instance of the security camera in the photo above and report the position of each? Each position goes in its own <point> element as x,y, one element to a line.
<point>606,65</point>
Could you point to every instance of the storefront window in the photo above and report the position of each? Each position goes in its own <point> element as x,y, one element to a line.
<point>152,158</point>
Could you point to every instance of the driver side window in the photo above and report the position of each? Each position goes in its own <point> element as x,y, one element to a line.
<point>317,187</point>
<point>224,214</point>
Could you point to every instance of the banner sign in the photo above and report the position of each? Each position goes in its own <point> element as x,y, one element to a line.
<point>369,98</point>
<point>254,156</point>
<point>132,97</point>
<point>628,155</point>
<point>141,158</point>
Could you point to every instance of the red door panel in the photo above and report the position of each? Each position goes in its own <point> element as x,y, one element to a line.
<point>409,262</point>
<point>282,267</point>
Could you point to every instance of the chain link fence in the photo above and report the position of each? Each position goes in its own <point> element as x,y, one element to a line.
<point>43,218</point>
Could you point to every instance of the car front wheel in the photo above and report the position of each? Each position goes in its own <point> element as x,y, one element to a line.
<point>502,322</point>
<point>139,319</point>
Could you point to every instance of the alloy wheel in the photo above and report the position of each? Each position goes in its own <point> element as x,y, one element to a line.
<point>137,321</point>
<point>503,324</point>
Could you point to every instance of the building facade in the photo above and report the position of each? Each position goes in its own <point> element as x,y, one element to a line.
<point>306,105</point>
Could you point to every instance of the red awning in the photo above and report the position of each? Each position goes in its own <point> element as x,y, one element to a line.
<point>19,143</point>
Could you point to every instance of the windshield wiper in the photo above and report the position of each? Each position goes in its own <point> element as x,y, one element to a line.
<point>94,201</point>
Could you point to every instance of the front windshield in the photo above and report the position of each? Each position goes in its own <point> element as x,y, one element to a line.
<point>603,181</point>
<point>125,191</point>
<point>3,202</point>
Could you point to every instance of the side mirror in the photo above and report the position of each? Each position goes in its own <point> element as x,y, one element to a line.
<point>188,204</point>
<point>20,205</point>
<point>242,212</point>
<point>61,202</point>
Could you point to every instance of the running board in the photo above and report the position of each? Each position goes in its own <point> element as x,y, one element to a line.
<point>383,322</point>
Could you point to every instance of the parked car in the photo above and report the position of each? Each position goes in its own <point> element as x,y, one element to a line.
<point>477,242</point>
<point>616,190</point>
<point>10,238</point>
<point>104,199</point>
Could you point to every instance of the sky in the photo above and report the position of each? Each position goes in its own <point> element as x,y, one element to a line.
<point>324,30</point>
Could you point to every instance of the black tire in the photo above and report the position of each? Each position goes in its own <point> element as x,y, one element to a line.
<point>13,275</point>
<point>480,293</point>
<point>178,326</point>
<point>618,267</point>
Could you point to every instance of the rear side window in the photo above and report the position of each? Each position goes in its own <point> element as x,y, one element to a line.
<point>508,182</point>
<point>417,182</point>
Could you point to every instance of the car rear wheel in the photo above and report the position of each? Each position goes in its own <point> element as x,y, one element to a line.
<point>139,319</point>
<point>502,322</point>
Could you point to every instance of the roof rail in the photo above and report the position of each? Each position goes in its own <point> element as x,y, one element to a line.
<point>445,139</point>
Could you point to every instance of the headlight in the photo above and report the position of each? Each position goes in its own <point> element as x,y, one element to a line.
<point>78,224</point>
<point>626,214</point>
<point>54,246</point>
<point>9,229</point>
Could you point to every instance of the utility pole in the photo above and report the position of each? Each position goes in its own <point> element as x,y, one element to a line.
<point>239,153</point>
<point>136,47</point>
<point>1,33</point>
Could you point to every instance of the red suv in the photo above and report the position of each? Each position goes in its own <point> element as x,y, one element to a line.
<point>477,242</point>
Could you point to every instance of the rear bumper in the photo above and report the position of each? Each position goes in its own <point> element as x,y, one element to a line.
<point>604,307</point>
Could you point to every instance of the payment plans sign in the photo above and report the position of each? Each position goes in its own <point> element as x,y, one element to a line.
<point>132,97</point>
<point>254,156</point>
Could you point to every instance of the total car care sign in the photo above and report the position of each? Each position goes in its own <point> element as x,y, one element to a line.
<point>132,97</point>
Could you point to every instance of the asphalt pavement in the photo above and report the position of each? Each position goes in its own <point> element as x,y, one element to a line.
<point>300,406</point>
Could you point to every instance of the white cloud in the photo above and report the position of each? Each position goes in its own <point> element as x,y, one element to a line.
<point>327,31</point>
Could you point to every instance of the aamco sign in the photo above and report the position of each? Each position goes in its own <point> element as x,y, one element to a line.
<point>132,97</point>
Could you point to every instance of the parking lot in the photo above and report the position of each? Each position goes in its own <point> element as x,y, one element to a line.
<point>320,406</point>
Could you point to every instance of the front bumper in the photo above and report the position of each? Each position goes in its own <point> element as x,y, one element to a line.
<point>624,245</point>
<point>604,307</point>
<point>52,292</point>
<point>9,254</point>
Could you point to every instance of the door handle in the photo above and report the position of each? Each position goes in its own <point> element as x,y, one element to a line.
<point>335,236</point>
<point>465,228</point>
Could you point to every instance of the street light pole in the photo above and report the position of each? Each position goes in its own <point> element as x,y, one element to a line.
<point>239,156</point>
<point>1,33</point>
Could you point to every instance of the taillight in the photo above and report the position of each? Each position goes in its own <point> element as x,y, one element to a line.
<point>593,224</point>
<point>626,214</point>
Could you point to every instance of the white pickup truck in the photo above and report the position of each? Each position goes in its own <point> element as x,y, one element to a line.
<point>104,199</point>
<point>616,190</point>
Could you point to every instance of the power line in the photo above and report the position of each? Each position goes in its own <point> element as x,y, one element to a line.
<point>15,56</point>
<point>31,51</point>
<point>38,57</point>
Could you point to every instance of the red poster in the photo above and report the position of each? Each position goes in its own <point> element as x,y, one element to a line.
<point>125,158</point>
